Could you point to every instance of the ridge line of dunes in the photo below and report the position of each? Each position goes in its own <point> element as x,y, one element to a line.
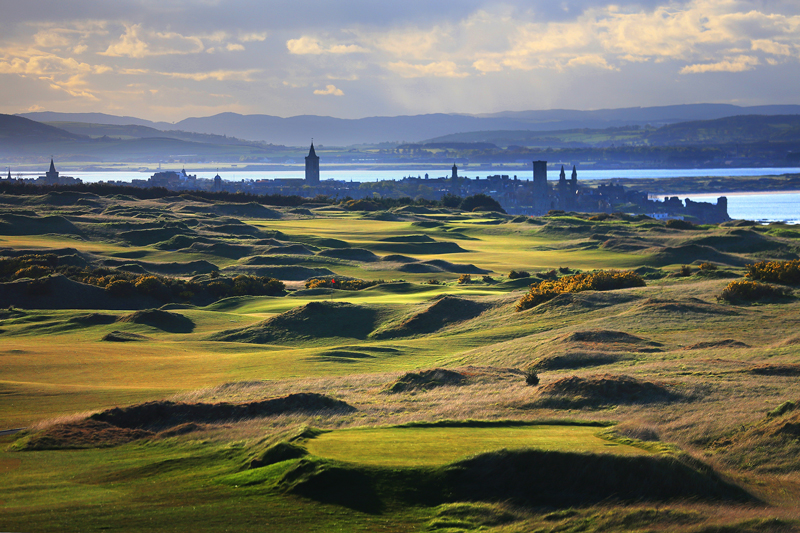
<point>166,418</point>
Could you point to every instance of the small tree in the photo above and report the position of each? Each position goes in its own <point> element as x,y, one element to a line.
<point>464,279</point>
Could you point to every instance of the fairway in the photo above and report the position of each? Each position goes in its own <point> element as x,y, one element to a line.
<point>429,446</point>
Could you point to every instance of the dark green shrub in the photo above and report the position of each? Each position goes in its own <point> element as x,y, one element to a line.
<point>481,202</point>
<point>531,378</point>
<point>679,224</point>
<point>517,274</point>
<point>464,279</point>
<point>120,288</point>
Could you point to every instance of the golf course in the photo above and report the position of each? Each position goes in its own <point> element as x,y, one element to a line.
<point>191,364</point>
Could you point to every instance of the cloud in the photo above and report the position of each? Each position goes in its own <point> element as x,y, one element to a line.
<point>771,47</point>
<point>234,47</point>
<point>330,89</point>
<point>218,75</point>
<point>253,37</point>
<point>309,45</point>
<point>442,69</point>
<point>737,64</point>
<point>136,43</point>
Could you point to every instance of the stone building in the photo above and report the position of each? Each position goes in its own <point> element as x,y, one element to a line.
<point>312,167</point>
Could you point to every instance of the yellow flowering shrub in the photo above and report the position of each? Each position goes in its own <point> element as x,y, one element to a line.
<point>603,280</point>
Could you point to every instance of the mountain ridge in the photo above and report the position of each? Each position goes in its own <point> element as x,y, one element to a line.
<point>331,131</point>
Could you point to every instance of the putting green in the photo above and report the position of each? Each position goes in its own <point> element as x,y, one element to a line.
<point>421,446</point>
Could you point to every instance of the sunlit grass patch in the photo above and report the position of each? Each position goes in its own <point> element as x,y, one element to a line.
<point>424,446</point>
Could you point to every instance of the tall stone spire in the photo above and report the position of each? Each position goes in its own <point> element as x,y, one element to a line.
<point>312,167</point>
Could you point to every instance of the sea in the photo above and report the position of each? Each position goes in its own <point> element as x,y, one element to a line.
<point>761,207</point>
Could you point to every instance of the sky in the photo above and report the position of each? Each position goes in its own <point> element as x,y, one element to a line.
<point>166,60</point>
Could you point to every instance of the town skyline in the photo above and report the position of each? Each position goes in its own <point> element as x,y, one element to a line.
<point>176,59</point>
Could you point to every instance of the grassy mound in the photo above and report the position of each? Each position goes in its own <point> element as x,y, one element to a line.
<point>789,369</point>
<point>724,343</point>
<point>575,360</point>
<point>457,268</point>
<point>166,414</point>
<point>577,303</point>
<point>605,389</point>
<point>583,349</point>
<point>397,258</point>
<point>351,254</point>
<point>288,249</point>
<point>741,240</point>
<point>283,272</point>
<point>310,321</point>
<point>163,320</point>
<point>443,312</point>
<point>532,478</point>
<point>688,253</point>
<point>435,247</point>
<point>14,224</point>
<point>166,418</point>
<point>612,340</point>
<point>83,434</point>
<point>175,269</point>
<point>93,319</point>
<point>231,251</point>
<point>249,210</point>
<point>426,380</point>
<point>122,336</point>
<point>770,445</point>
<point>687,306</point>
<point>143,237</point>
<point>409,238</point>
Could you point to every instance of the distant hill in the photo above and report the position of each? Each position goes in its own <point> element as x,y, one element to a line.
<point>93,118</point>
<point>737,129</point>
<point>16,130</point>
<point>330,131</point>
<point>132,131</point>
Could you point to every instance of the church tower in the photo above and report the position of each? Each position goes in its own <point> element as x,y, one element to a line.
<point>312,167</point>
<point>562,190</point>
<point>51,176</point>
<point>454,181</point>
<point>541,191</point>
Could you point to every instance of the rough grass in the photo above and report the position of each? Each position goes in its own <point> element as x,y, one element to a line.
<point>54,364</point>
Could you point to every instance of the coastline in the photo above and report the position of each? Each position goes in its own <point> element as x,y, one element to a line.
<point>718,194</point>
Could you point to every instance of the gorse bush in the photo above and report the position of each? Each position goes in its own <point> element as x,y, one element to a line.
<point>33,271</point>
<point>603,280</point>
<point>786,272</point>
<point>464,279</point>
<point>517,274</point>
<point>342,284</point>
<point>121,284</point>
<point>752,291</point>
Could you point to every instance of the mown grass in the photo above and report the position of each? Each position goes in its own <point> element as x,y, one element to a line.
<point>423,446</point>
